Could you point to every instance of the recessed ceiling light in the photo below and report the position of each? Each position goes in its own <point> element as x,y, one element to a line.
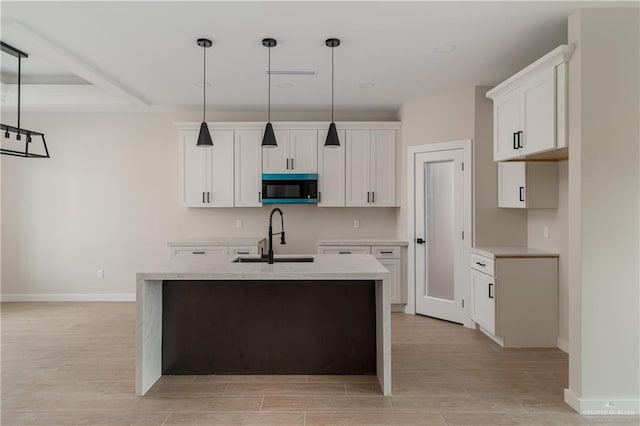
<point>367,85</point>
<point>285,85</point>
<point>200,85</point>
<point>445,49</point>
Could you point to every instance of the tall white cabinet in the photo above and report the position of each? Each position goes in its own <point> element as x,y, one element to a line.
<point>207,179</point>
<point>248,168</point>
<point>370,168</point>
<point>331,172</point>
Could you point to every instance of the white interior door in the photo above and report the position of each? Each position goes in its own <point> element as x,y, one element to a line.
<point>439,226</point>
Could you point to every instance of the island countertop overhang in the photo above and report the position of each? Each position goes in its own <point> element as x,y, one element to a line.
<point>324,267</point>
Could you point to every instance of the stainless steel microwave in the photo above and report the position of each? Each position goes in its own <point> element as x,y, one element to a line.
<point>289,188</point>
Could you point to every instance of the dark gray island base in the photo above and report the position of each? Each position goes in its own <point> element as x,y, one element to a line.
<point>268,327</point>
<point>217,316</point>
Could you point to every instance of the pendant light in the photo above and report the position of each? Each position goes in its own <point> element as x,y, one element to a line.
<point>269,138</point>
<point>19,131</point>
<point>204,137</point>
<point>332,135</point>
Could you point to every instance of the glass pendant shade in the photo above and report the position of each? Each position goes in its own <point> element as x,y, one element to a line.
<point>204,137</point>
<point>269,138</point>
<point>332,136</point>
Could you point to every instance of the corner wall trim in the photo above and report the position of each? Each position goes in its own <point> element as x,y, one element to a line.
<point>73,297</point>
<point>602,407</point>
<point>563,345</point>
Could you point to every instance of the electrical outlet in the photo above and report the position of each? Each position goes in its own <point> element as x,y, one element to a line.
<point>238,223</point>
<point>100,274</point>
<point>356,223</point>
<point>546,231</point>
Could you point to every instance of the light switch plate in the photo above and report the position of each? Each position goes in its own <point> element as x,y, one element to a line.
<point>546,231</point>
<point>100,274</point>
<point>238,223</point>
<point>356,223</point>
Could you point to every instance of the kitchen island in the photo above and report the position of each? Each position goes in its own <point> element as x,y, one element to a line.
<point>214,316</point>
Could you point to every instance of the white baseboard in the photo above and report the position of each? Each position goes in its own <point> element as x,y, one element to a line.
<point>55,297</point>
<point>563,345</point>
<point>602,407</point>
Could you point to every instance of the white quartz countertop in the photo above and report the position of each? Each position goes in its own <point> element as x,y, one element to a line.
<point>228,241</point>
<point>495,252</point>
<point>324,267</point>
<point>362,242</point>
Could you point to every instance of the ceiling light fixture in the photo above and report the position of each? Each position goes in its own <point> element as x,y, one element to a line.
<point>269,138</point>
<point>332,134</point>
<point>204,137</point>
<point>18,130</point>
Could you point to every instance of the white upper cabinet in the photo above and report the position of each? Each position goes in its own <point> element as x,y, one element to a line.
<point>276,159</point>
<point>532,185</point>
<point>248,168</point>
<point>370,168</point>
<point>529,109</point>
<point>358,168</point>
<point>207,173</point>
<point>296,152</point>
<point>331,171</point>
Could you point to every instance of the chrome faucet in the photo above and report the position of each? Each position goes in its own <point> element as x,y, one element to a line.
<point>271,234</point>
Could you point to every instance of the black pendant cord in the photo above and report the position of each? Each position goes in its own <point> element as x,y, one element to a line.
<point>332,84</point>
<point>269,92</point>
<point>204,83</point>
<point>19,85</point>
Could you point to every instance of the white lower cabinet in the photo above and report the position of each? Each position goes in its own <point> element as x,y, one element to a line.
<point>514,298</point>
<point>388,256</point>
<point>200,251</point>
<point>216,248</point>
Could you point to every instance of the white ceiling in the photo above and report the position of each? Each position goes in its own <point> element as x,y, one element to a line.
<point>148,51</point>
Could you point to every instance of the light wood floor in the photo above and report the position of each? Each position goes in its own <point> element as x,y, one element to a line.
<point>74,363</point>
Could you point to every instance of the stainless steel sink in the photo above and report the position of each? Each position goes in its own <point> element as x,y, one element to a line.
<point>276,259</point>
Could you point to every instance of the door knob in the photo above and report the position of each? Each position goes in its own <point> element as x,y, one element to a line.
<point>419,241</point>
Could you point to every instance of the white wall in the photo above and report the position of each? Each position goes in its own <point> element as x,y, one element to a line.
<point>604,194</point>
<point>108,198</point>
<point>558,222</point>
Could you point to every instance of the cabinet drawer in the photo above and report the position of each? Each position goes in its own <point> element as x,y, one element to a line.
<point>200,251</point>
<point>344,249</point>
<point>386,252</point>
<point>483,264</point>
<point>236,250</point>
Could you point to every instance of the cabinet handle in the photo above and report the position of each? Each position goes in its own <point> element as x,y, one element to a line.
<point>242,252</point>
<point>386,252</point>
<point>520,133</point>
<point>203,198</point>
<point>368,197</point>
<point>259,196</point>
<point>490,294</point>
<point>287,164</point>
<point>208,199</point>
<point>373,197</point>
<point>292,164</point>
<point>197,252</point>
<point>344,252</point>
<point>319,196</point>
<point>521,193</point>
<point>481,264</point>
<point>515,140</point>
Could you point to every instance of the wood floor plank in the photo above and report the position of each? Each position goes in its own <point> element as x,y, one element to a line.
<point>74,363</point>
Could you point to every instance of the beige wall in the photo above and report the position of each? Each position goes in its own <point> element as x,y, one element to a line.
<point>463,113</point>
<point>558,222</point>
<point>604,193</point>
<point>108,199</point>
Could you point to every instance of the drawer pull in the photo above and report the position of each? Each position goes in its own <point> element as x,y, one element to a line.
<point>242,252</point>
<point>386,252</point>
<point>197,252</point>
<point>481,264</point>
<point>490,293</point>
<point>344,252</point>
